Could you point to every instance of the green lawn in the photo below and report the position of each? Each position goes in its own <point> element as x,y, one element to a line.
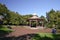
<point>46,36</point>
<point>4,30</point>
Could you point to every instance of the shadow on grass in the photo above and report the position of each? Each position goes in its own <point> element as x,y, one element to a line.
<point>38,37</point>
<point>33,37</point>
<point>56,36</point>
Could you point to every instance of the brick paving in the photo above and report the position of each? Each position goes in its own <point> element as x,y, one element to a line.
<point>19,31</point>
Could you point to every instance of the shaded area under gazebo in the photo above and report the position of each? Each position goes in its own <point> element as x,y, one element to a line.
<point>35,21</point>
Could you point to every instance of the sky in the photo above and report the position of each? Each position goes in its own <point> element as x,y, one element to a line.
<point>40,7</point>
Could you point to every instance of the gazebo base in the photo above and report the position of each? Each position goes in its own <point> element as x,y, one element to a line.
<point>37,27</point>
<point>33,28</point>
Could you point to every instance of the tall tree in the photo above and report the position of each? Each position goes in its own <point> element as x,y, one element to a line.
<point>53,17</point>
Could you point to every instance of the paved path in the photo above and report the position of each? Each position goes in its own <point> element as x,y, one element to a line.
<point>19,31</point>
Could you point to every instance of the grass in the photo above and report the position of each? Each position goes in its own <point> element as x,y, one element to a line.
<point>4,29</point>
<point>46,36</point>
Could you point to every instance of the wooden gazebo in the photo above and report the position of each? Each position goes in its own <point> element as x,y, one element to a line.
<point>35,19</point>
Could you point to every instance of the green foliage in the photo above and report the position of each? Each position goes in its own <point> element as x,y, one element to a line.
<point>3,8</point>
<point>53,18</point>
<point>4,29</point>
<point>46,36</point>
<point>44,20</point>
<point>12,18</point>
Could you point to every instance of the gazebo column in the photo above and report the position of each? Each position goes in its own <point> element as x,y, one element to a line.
<point>42,23</point>
<point>36,23</point>
<point>30,22</point>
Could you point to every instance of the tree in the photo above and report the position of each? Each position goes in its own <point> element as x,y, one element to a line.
<point>44,20</point>
<point>4,13</point>
<point>53,18</point>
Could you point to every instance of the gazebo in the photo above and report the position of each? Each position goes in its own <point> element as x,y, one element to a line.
<point>35,21</point>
